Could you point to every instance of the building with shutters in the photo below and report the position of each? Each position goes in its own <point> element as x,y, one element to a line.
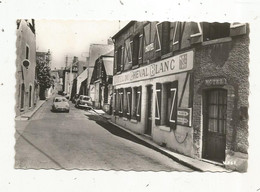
<point>102,81</point>
<point>185,85</point>
<point>26,84</point>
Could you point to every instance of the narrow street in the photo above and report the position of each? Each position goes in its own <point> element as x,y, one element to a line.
<point>82,140</point>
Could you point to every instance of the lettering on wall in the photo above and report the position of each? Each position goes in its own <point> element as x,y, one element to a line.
<point>172,65</point>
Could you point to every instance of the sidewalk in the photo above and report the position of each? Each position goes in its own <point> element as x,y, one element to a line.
<point>195,164</point>
<point>26,116</point>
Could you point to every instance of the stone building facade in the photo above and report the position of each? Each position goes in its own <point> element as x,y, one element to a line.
<point>26,85</point>
<point>185,85</point>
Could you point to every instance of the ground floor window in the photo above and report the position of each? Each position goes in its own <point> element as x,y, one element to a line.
<point>166,104</point>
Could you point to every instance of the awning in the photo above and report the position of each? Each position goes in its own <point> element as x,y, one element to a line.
<point>108,64</point>
<point>82,77</point>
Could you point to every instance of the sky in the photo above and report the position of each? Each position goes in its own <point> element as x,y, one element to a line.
<point>72,37</point>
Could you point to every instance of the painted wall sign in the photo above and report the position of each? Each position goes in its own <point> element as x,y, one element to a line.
<point>184,116</point>
<point>172,65</point>
<point>215,81</point>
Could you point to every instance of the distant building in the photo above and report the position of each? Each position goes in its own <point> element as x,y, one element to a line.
<point>95,51</point>
<point>185,85</point>
<point>102,81</point>
<point>26,84</point>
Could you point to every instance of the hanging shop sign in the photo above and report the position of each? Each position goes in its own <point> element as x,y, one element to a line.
<point>218,81</point>
<point>184,116</point>
<point>177,64</point>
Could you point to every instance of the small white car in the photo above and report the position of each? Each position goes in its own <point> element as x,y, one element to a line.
<point>60,104</point>
<point>84,101</point>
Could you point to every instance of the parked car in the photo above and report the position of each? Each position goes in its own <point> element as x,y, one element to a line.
<point>75,98</point>
<point>60,104</point>
<point>84,101</point>
<point>66,95</point>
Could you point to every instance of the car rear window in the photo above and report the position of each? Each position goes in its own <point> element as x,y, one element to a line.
<point>86,98</point>
<point>60,100</point>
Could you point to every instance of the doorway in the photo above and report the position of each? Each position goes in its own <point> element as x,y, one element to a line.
<point>214,135</point>
<point>148,129</point>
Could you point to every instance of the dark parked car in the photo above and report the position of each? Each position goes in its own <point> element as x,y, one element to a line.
<point>75,98</point>
<point>84,101</point>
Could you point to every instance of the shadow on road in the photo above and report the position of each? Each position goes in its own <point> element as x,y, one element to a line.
<point>117,131</point>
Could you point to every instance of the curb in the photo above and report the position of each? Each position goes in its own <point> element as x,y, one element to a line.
<point>158,149</point>
<point>33,112</point>
<point>152,145</point>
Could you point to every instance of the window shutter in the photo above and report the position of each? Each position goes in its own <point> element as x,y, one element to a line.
<point>175,35</point>
<point>158,36</point>
<point>237,29</point>
<point>115,102</point>
<point>140,52</point>
<point>115,62</point>
<point>139,103</point>
<point>158,104</point>
<point>121,96</point>
<point>129,102</point>
<point>196,33</point>
<point>122,59</point>
<point>174,99</point>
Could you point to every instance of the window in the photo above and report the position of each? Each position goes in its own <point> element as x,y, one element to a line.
<point>128,54</point>
<point>215,30</point>
<point>149,37</point>
<point>27,53</point>
<point>166,104</point>
<point>216,110</point>
<point>135,52</point>
<point>165,38</point>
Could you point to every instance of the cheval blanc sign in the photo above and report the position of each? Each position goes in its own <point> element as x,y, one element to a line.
<point>172,65</point>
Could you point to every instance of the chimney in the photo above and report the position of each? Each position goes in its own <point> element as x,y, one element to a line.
<point>110,41</point>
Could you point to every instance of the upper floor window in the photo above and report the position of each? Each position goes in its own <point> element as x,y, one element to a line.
<point>215,30</point>
<point>136,46</point>
<point>128,54</point>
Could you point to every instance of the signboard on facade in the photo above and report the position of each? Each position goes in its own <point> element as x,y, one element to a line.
<point>172,65</point>
<point>184,116</point>
<point>217,81</point>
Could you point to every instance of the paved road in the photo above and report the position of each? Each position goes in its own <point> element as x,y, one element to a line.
<point>82,140</point>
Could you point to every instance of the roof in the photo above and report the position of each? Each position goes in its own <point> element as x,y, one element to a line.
<point>123,29</point>
<point>96,50</point>
<point>108,64</point>
<point>111,53</point>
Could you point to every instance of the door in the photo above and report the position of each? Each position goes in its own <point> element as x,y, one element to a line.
<point>149,110</point>
<point>214,137</point>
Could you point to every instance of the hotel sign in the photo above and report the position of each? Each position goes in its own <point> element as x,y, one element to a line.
<point>172,65</point>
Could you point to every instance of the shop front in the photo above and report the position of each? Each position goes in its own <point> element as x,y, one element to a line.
<point>156,100</point>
